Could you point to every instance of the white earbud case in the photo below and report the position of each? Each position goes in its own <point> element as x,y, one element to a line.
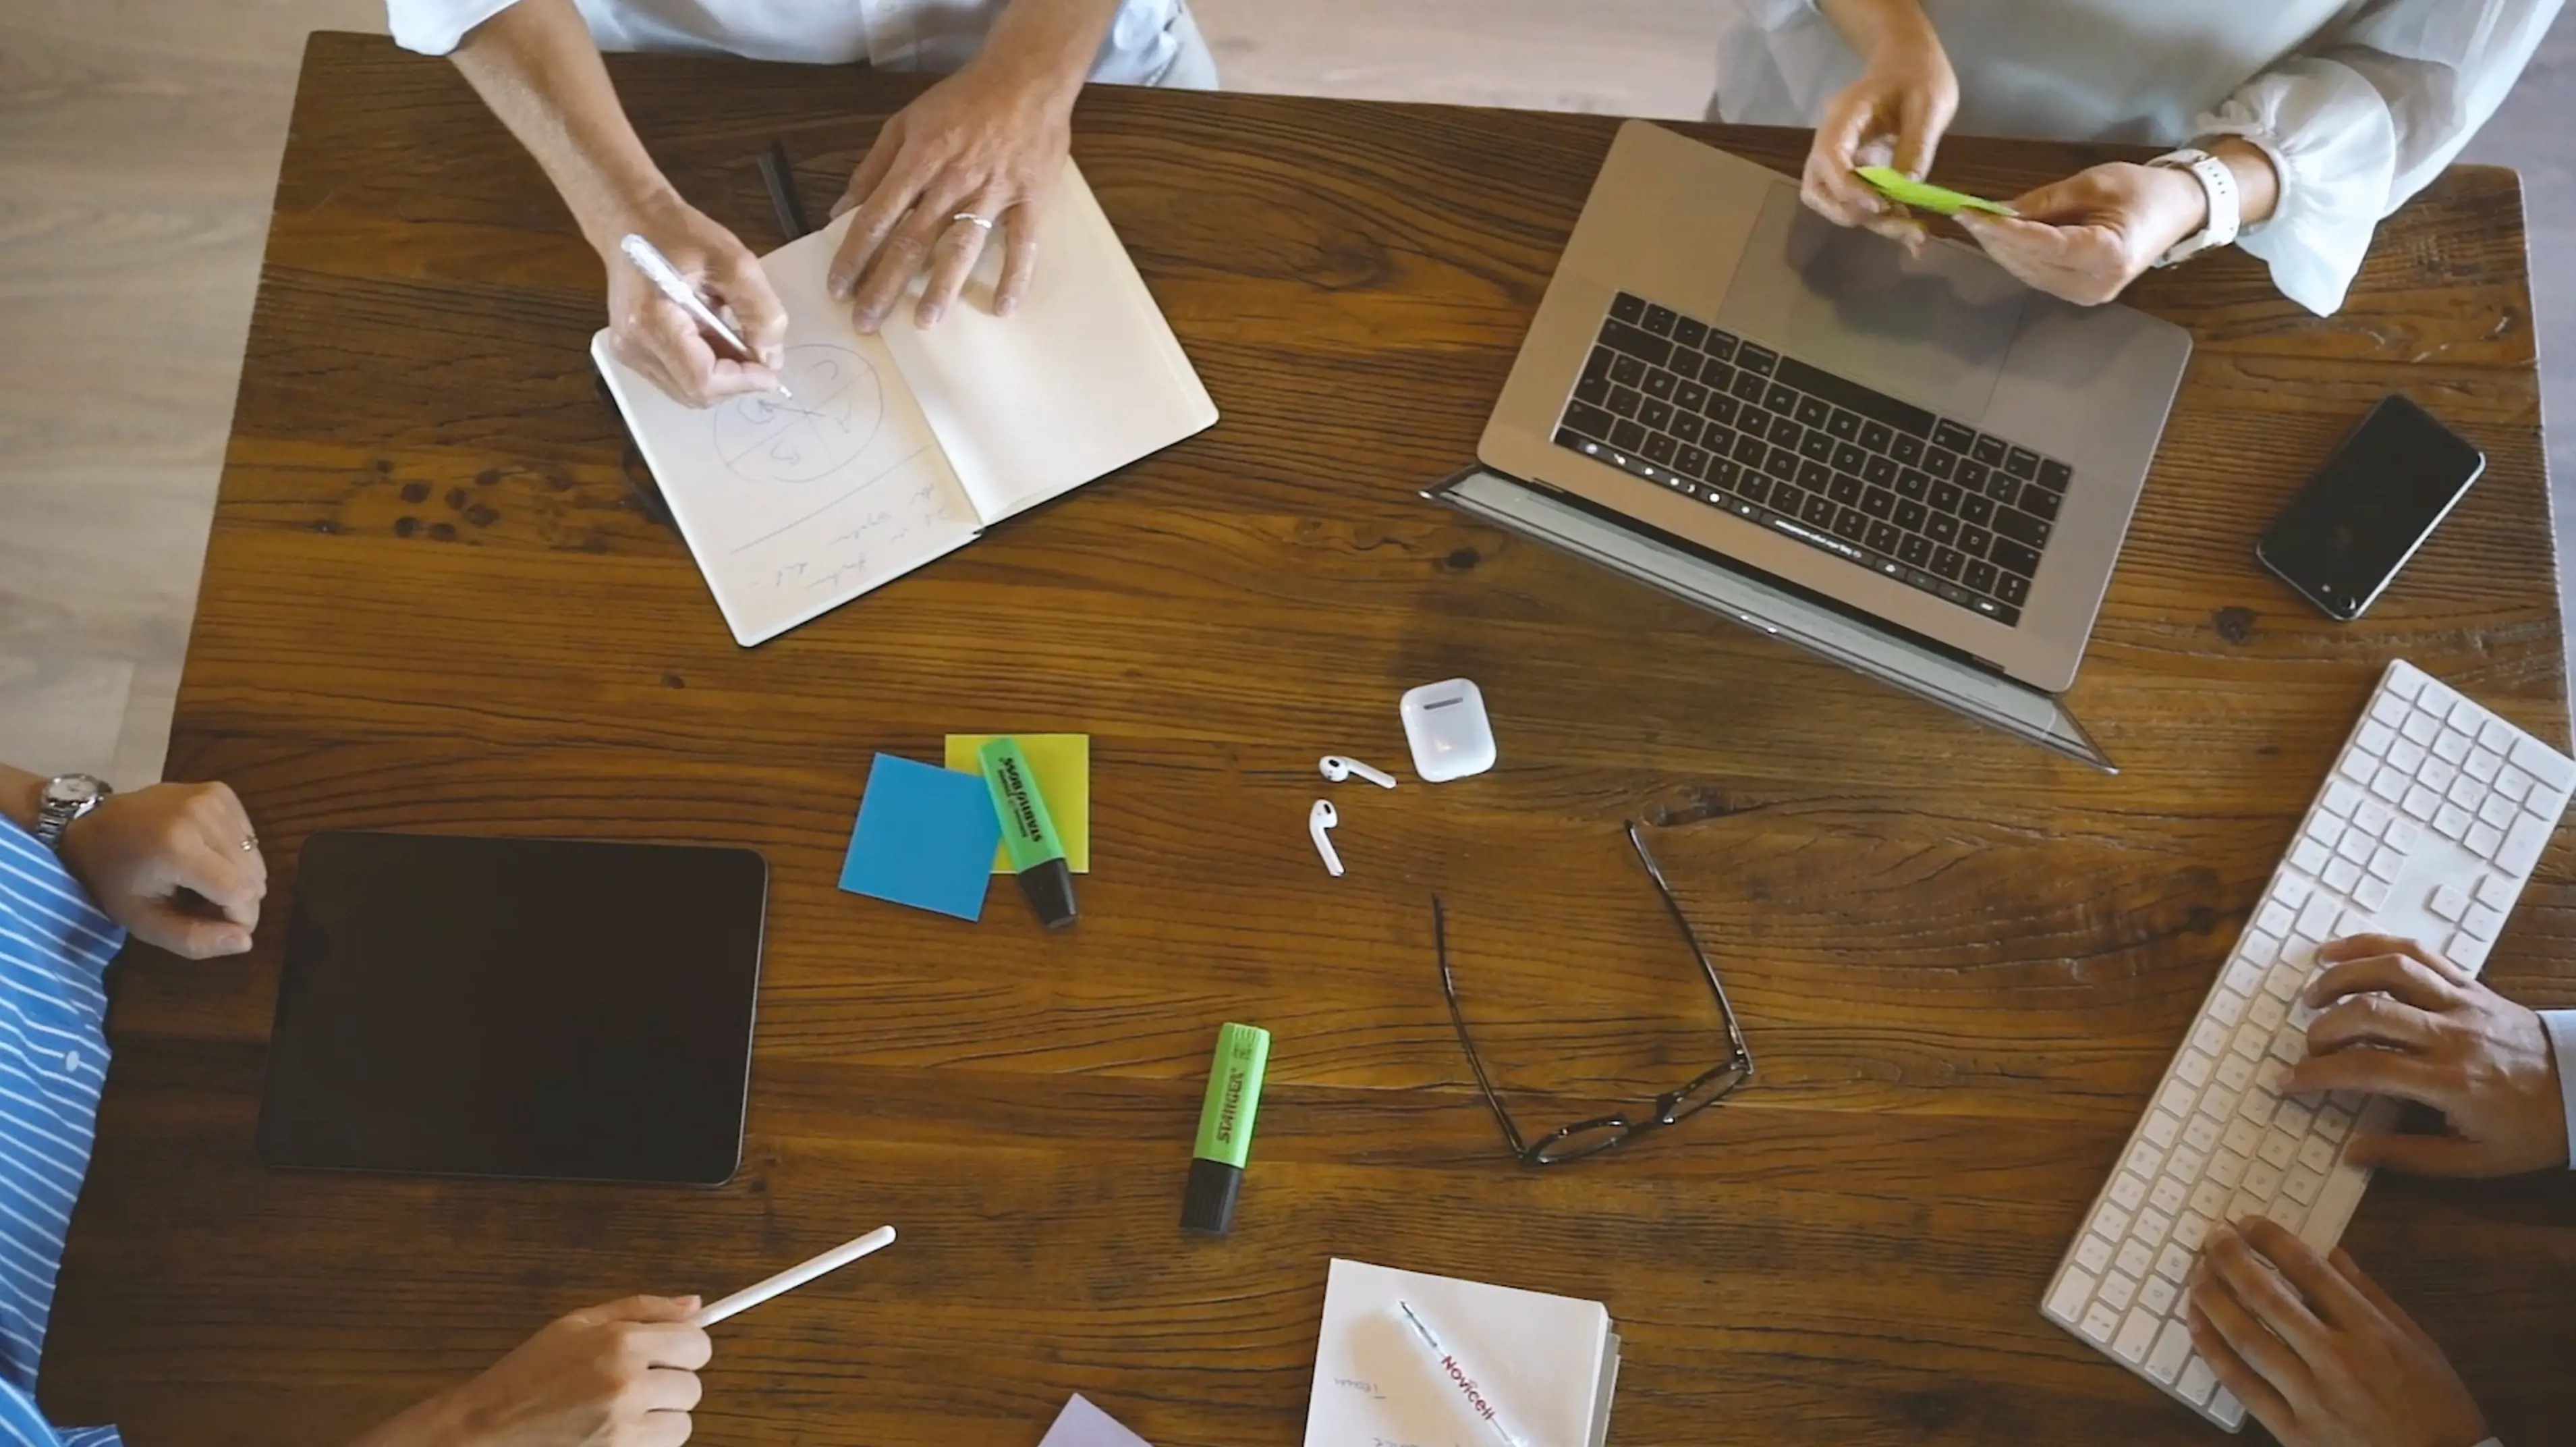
<point>1446,726</point>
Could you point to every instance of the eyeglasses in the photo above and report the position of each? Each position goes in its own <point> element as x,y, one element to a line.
<point>1592,1137</point>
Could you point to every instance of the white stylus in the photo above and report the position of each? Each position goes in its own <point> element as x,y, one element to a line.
<point>1455,1376</point>
<point>666,279</point>
<point>794,1277</point>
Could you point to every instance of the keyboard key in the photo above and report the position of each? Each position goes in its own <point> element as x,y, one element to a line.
<point>2544,762</point>
<point>2021,527</point>
<point>1659,320</point>
<point>1627,436</point>
<point>1940,462</point>
<point>2073,1290</point>
<point>1588,420</point>
<point>1988,450</point>
<point>2100,1322</point>
<point>1656,414</point>
<point>2022,464</point>
<point>1619,336</point>
<point>1690,333</point>
<point>2136,1335</point>
<point>1779,399</point>
<point>1948,563</point>
<point>1951,435</point>
<point>1976,509</point>
<point>1628,308</point>
<point>2172,1349</point>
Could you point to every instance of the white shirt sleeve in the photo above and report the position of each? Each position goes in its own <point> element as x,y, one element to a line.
<point>435,27</point>
<point>2365,118</point>
<point>2561,1025</point>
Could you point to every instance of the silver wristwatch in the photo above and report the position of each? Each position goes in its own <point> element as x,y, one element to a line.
<point>66,797</point>
<point>2218,184</point>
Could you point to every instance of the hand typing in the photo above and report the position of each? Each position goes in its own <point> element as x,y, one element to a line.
<point>168,862</point>
<point>2317,1352</point>
<point>2400,1020</point>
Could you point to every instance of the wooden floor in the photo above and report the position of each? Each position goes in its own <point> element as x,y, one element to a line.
<point>139,143</point>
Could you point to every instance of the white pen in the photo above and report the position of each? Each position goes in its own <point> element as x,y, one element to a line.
<point>795,1276</point>
<point>666,278</point>
<point>1454,1374</point>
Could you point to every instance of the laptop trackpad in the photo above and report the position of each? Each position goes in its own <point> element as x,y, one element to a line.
<point>1933,330</point>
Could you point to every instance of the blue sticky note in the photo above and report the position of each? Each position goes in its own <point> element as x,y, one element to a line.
<point>925,838</point>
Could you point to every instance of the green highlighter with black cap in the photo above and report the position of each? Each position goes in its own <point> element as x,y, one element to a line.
<point>1028,833</point>
<point>1225,1128</point>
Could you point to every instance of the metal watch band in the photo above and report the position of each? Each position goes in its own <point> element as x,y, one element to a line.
<point>2218,184</point>
<point>54,815</point>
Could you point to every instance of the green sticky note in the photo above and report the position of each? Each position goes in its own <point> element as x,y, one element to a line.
<point>1939,200</point>
<point>1063,766</point>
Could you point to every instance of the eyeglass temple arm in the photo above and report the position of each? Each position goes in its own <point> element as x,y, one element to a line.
<point>1458,1018</point>
<point>1690,937</point>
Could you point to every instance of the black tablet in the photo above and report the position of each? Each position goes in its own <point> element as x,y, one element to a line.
<point>516,1007</point>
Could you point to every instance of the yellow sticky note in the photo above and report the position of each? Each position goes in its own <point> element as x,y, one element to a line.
<point>1063,765</point>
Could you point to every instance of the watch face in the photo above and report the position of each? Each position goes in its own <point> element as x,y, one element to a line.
<point>74,789</point>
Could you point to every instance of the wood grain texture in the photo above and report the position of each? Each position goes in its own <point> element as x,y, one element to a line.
<point>429,604</point>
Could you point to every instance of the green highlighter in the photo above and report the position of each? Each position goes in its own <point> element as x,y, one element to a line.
<point>1225,1128</point>
<point>1028,833</point>
<point>1939,200</point>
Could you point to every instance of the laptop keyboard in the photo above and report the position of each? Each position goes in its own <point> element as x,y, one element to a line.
<point>1962,515</point>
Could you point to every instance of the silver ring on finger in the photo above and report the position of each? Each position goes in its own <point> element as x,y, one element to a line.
<point>984,223</point>
<point>250,844</point>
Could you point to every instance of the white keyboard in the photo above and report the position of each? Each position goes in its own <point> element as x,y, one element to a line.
<point>2427,828</point>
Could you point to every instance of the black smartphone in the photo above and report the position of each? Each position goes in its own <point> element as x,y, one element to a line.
<point>2346,534</point>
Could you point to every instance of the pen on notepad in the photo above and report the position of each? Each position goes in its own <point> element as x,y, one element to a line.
<point>666,278</point>
<point>794,1277</point>
<point>1454,1373</point>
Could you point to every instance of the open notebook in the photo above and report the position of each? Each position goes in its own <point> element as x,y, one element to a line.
<point>1549,1364</point>
<point>900,447</point>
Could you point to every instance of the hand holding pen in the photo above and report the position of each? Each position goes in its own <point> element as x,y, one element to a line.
<point>704,324</point>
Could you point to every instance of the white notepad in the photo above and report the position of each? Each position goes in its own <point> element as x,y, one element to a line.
<point>898,448</point>
<point>1551,1363</point>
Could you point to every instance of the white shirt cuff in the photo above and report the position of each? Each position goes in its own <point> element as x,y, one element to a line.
<point>2561,1025</point>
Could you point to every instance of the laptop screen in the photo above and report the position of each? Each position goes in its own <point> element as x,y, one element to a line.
<point>1627,548</point>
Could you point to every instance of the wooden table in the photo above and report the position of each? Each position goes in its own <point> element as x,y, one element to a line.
<point>429,603</point>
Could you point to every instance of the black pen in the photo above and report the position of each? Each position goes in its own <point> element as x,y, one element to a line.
<point>781,177</point>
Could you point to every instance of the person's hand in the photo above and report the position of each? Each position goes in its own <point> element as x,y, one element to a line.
<point>620,1375</point>
<point>989,141</point>
<point>1894,115</point>
<point>2316,1351</point>
<point>176,864</point>
<point>650,333</point>
<point>2397,1019</point>
<point>2087,237</point>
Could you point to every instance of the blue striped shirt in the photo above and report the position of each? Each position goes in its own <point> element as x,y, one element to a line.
<point>54,949</point>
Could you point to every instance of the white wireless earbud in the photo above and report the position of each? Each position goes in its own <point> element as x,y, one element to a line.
<point>1319,819</point>
<point>1339,770</point>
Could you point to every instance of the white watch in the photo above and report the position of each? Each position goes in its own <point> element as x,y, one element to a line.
<point>2217,183</point>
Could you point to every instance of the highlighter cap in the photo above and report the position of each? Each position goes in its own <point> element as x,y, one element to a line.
<point>1049,887</point>
<point>1208,1207</point>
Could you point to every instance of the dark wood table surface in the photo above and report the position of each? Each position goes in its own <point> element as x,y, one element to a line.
<point>430,603</point>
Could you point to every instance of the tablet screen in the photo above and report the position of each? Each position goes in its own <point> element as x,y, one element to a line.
<point>516,1007</point>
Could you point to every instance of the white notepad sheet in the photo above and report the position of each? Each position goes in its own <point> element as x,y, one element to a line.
<point>1551,1363</point>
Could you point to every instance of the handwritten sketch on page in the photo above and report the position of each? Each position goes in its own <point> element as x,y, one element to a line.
<point>795,505</point>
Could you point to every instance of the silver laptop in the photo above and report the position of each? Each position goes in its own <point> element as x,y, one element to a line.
<point>1917,466</point>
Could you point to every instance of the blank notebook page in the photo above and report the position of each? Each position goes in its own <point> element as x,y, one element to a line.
<point>1083,379</point>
